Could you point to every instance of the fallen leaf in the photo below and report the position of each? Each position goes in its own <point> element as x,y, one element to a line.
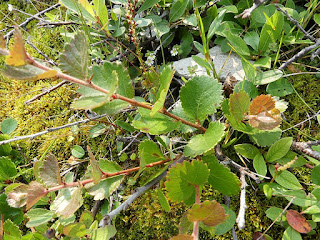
<point>298,222</point>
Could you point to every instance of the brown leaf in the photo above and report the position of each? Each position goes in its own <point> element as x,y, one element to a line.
<point>211,213</point>
<point>18,55</point>
<point>3,50</point>
<point>50,172</point>
<point>262,103</point>
<point>182,237</point>
<point>18,196</point>
<point>35,193</point>
<point>265,120</point>
<point>298,222</point>
<point>256,235</point>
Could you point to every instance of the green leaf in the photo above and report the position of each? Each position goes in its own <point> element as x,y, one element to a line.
<point>282,87</point>
<point>291,234</point>
<point>183,177</point>
<point>177,9</point>
<point>7,169</point>
<point>252,39</point>
<point>50,172</point>
<point>27,72</point>
<point>279,149</point>
<point>112,77</point>
<point>14,214</point>
<point>274,212</point>
<point>5,149</point>
<point>97,130</point>
<point>226,226</point>
<point>10,231</point>
<point>101,11</point>
<point>158,124</point>
<point>104,188</point>
<point>75,230</point>
<point>249,70</point>
<point>247,150</point>
<point>265,138</point>
<point>162,28</point>
<point>95,169</point>
<point>202,62</point>
<point>202,143</point>
<point>75,58</point>
<point>264,62</point>
<point>239,105</point>
<point>315,175</point>
<point>147,4</point>
<point>198,46</point>
<point>248,87</point>
<point>149,152</point>
<point>271,31</point>
<point>77,151</point>
<point>104,233</point>
<point>78,8</point>
<point>109,166</point>
<point>38,217</point>
<point>211,213</point>
<point>215,24</point>
<point>286,179</point>
<point>200,96</point>
<point>238,43</point>
<point>8,125</point>
<point>267,77</point>
<point>67,202</point>
<point>221,178</point>
<point>316,18</point>
<point>178,111</point>
<point>163,201</point>
<point>86,218</point>
<point>260,165</point>
<point>165,80</point>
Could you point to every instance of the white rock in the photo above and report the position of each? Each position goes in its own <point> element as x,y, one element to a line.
<point>232,67</point>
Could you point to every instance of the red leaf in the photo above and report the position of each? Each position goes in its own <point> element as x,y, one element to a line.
<point>298,222</point>
<point>262,103</point>
<point>256,235</point>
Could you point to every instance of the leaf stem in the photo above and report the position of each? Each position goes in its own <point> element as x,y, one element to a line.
<point>105,175</point>
<point>195,233</point>
<point>114,96</point>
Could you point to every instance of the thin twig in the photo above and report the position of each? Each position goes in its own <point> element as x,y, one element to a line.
<point>299,73</point>
<point>28,102</point>
<point>32,136</point>
<point>227,202</point>
<point>9,34</point>
<point>295,22</point>
<point>285,209</point>
<point>315,53</point>
<point>300,54</point>
<point>129,144</point>
<point>247,12</point>
<point>306,120</point>
<point>305,147</point>
<point>45,23</point>
<point>107,218</point>
<point>242,211</point>
<point>227,161</point>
